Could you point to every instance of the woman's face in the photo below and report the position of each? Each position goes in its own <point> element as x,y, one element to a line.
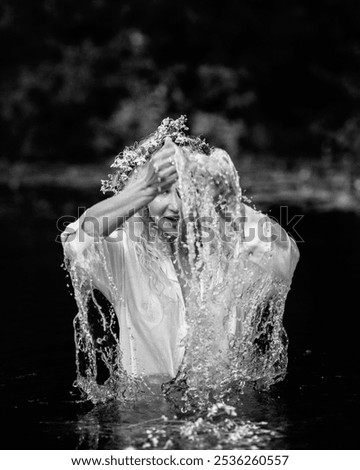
<point>165,210</point>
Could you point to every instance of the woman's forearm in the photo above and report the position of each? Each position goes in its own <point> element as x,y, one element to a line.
<point>157,176</point>
<point>108,215</point>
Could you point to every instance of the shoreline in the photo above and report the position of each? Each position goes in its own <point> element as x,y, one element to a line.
<point>266,181</point>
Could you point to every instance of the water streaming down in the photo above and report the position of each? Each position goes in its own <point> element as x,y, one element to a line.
<point>235,297</point>
<point>235,307</point>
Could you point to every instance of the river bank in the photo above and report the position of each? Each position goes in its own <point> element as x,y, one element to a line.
<point>48,190</point>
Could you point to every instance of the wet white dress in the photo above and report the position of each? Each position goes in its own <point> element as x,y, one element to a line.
<point>152,323</point>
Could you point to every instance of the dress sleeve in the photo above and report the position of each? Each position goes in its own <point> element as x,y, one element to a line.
<point>269,246</point>
<point>98,261</point>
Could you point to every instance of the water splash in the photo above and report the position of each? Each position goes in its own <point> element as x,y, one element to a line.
<point>234,307</point>
<point>116,426</point>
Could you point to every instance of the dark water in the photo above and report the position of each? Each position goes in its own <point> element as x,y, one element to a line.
<point>316,407</point>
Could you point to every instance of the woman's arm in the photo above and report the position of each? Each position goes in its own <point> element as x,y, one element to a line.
<point>157,176</point>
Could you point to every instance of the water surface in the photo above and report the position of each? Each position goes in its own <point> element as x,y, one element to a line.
<point>317,406</point>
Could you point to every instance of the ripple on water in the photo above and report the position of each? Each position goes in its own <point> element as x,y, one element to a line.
<point>114,426</point>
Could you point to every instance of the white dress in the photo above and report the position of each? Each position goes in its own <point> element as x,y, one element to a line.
<point>152,323</point>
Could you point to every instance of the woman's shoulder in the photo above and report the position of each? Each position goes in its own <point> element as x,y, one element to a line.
<point>256,225</point>
<point>252,215</point>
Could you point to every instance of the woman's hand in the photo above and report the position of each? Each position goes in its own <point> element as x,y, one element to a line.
<point>160,174</point>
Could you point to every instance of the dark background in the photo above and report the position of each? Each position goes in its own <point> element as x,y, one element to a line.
<point>276,83</point>
<point>277,76</point>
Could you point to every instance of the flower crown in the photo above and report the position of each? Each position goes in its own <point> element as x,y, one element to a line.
<point>132,157</point>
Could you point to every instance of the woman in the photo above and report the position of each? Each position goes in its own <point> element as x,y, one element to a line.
<point>178,256</point>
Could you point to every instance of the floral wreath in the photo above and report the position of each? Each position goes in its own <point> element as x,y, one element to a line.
<point>130,158</point>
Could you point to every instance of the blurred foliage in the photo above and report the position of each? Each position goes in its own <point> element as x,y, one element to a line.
<point>82,79</point>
